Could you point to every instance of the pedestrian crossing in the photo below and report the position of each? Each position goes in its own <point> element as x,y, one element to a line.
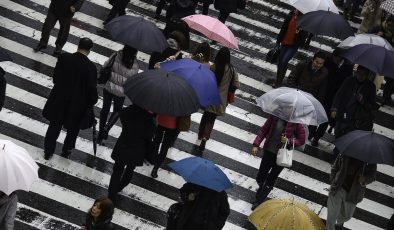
<point>68,187</point>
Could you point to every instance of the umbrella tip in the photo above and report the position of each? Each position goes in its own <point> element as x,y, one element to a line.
<point>3,146</point>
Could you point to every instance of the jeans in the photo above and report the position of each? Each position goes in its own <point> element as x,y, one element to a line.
<point>338,209</point>
<point>206,125</point>
<point>285,54</point>
<point>166,137</point>
<point>49,23</point>
<point>52,134</point>
<point>120,178</point>
<point>107,100</point>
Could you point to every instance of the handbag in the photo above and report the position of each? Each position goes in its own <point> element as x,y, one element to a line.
<point>105,72</point>
<point>273,54</point>
<point>231,89</point>
<point>285,156</point>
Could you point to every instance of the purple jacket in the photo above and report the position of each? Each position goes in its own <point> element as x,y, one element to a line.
<point>266,130</point>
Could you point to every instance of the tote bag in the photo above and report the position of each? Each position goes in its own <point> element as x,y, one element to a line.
<point>285,156</point>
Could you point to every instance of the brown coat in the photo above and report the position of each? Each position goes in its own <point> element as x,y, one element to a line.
<point>372,16</point>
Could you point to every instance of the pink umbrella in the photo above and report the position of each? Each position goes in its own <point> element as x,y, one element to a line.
<point>212,29</point>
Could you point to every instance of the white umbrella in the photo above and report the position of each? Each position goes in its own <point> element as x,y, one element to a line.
<point>293,105</point>
<point>306,6</point>
<point>17,169</point>
<point>365,39</point>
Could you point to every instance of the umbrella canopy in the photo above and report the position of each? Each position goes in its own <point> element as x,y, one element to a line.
<point>285,214</point>
<point>365,39</point>
<point>373,57</point>
<point>367,146</point>
<point>202,172</point>
<point>162,92</point>
<point>137,32</point>
<point>213,29</point>
<point>4,56</point>
<point>306,6</point>
<point>293,105</point>
<point>17,169</point>
<point>199,76</point>
<point>388,6</point>
<point>325,23</point>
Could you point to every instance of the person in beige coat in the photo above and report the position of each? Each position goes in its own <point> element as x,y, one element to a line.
<point>226,76</point>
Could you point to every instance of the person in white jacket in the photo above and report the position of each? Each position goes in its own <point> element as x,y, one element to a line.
<point>124,67</point>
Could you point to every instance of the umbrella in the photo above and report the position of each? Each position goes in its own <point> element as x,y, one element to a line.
<point>306,6</point>
<point>137,32</point>
<point>213,29</point>
<point>367,146</point>
<point>388,6</point>
<point>284,214</point>
<point>162,92</point>
<point>365,39</point>
<point>293,105</point>
<point>325,23</point>
<point>373,57</point>
<point>17,169</point>
<point>202,172</point>
<point>4,56</point>
<point>199,76</point>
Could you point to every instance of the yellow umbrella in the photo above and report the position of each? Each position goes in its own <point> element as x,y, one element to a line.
<point>285,214</point>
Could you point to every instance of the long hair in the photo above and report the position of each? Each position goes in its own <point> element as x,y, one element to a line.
<point>221,60</point>
<point>128,56</point>
<point>202,52</point>
<point>107,209</point>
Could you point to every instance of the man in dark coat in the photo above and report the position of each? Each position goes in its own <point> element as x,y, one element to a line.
<point>225,7</point>
<point>62,11</point>
<point>73,96</point>
<point>3,84</point>
<point>118,8</point>
<point>131,148</point>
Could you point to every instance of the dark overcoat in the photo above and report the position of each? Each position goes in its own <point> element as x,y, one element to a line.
<point>229,6</point>
<point>74,91</point>
<point>61,8</point>
<point>137,133</point>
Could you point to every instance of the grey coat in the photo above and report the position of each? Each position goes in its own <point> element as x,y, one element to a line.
<point>338,176</point>
<point>7,210</point>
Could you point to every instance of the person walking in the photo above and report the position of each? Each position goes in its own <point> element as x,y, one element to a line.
<point>225,8</point>
<point>205,6</point>
<point>125,65</point>
<point>348,180</point>
<point>290,39</point>
<point>131,147</point>
<point>118,9</point>
<point>8,206</point>
<point>203,209</point>
<point>72,97</point>
<point>62,11</point>
<point>175,42</point>
<point>99,215</point>
<point>202,54</point>
<point>372,16</point>
<point>3,86</point>
<point>226,76</point>
<point>180,8</point>
<point>276,132</point>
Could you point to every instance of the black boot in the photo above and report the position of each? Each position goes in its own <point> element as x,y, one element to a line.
<point>66,153</point>
<point>57,51</point>
<point>39,47</point>
<point>202,144</point>
<point>261,195</point>
<point>48,156</point>
<point>154,172</point>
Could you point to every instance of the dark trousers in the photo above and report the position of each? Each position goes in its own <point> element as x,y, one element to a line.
<point>52,134</point>
<point>206,125</point>
<point>286,53</point>
<point>160,6</point>
<point>166,137</point>
<point>120,178</point>
<point>119,8</point>
<point>223,16</point>
<point>49,23</point>
<point>107,100</point>
<point>319,132</point>
<point>205,8</point>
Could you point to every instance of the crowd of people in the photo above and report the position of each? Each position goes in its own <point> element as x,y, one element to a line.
<point>348,97</point>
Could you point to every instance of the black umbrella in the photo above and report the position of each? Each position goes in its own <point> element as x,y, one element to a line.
<point>137,32</point>
<point>367,146</point>
<point>325,23</point>
<point>4,56</point>
<point>162,92</point>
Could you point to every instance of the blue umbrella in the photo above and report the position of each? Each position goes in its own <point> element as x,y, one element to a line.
<point>202,172</point>
<point>199,77</point>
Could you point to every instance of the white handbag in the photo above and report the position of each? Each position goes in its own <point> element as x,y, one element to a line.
<point>285,156</point>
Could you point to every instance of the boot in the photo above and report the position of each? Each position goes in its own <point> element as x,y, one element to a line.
<point>261,195</point>
<point>202,144</point>
<point>279,78</point>
<point>47,155</point>
<point>154,172</point>
<point>39,47</point>
<point>57,51</point>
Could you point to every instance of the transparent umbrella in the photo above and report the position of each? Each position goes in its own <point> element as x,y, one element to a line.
<point>293,105</point>
<point>365,39</point>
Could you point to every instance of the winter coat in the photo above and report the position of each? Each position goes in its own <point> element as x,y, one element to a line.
<point>61,8</point>
<point>230,77</point>
<point>372,15</point>
<point>8,205</point>
<point>293,131</point>
<point>229,6</point>
<point>207,211</point>
<point>358,116</point>
<point>3,85</point>
<point>308,80</point>
<point>119,74</point>
<point>160,57</point>
<point>181,26</point>
<point>302,38</point>
<point>136,136</point>
<point>74,91</point>
<point>338,176</point>
<point>102,225</point>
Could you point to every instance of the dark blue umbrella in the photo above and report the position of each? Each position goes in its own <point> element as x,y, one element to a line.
<point>203,172</point>
<point>373,57</point>
<point>327,23</point>
<point>199,76</point>
<point>367,146</point>
<point>137,32</point>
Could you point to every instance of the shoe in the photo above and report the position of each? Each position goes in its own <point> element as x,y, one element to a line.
<point>154,172</point>
<point>66,153</point>
<point>48,156</point>
<point>202,144</point>
<point>315,142</point>
<point>57,51</point>
<point>39,47</point>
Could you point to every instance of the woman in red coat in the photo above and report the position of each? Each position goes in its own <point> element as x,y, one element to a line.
<point>276,132</point>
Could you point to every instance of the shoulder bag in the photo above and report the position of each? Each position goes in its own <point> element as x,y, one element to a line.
<point>105,71</point>
<point>285,156</point>
<point>273,54</point>
<point>232,88</point>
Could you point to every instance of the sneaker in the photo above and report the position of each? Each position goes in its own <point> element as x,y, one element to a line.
<point>154,172</point>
